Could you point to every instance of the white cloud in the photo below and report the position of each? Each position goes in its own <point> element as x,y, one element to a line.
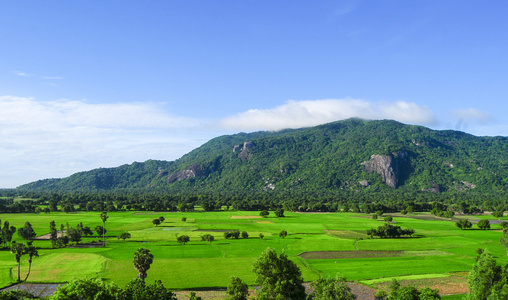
<point>471,116</point>
<point>42,139</point>
<point>22,74</point>
<point>296,114</point>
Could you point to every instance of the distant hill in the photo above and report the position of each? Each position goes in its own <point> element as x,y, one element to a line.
<point>350,155</point>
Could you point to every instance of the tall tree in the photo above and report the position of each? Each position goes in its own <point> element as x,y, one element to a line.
<point>27,232</point>
<point>143,259</point>
<point>53,233</point>
<point>482,277</point>
<point>331,289</point>
<point>31,251</point>
<point>19,250</point>
<point>279,277</point>
<point>104,217</point>
<point>237,289</point>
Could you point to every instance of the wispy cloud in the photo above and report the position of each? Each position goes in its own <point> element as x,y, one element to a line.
<point>296,114</point>
<point>466,117</point>
<point>22,74</point>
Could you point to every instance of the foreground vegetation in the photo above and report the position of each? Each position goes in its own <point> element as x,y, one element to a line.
<point>320,244</point>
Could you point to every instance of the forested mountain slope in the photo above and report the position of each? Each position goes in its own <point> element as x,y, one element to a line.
<point>350,155</point>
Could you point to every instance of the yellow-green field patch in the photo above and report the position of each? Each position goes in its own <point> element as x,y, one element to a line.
<point>57,267</point>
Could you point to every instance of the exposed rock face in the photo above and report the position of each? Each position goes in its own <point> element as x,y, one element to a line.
<point>387,166</point>
<point>247,146</point>
<point>364,183</point>
<point>434,189</point>
<point>190,172</point>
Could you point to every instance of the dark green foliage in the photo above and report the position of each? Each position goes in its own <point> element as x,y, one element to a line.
<point>331,289</point>
<point>279,277</point>
<point>124,236</point>
<point>53,234</point>
<point>87,231</point>
<point>389,231</point>
<point>183,239</point>
<point>245,235</point>
<point>234,234</point>
<point>18,249</point>
<point>464,224</point>
<point>407,293</point>
<point>484,277</point>
<point>388,219</point>
<point>27,232</point>
<point>31,251</point>
<point>279,212</point>
<point>192,296</point>
<point>156,222</point>
<point>143,259</point>
<point>237,289</point>
<point>104,218</point>
<point>138,290</point>
<point>264,213</point>
<point>498,213</point>
<point>16,295</point>
<point>74,235</point>
<point>283,234</point>
<point>208,237</point>
<point>483,224</point>
<point>100,230</point>
<point>6,233</point>
<point>87,289</point>
<point>325,157</point>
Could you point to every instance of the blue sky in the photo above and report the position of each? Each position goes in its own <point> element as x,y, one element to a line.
<point>87,84</point>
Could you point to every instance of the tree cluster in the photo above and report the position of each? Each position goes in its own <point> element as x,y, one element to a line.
<point>389,231</point>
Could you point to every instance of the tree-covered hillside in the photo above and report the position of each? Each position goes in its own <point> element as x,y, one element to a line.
<point>351,155</point>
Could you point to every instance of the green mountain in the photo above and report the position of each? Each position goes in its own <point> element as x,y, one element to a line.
<point>351,155</point>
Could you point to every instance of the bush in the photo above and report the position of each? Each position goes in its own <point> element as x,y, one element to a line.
<point>87,289</point>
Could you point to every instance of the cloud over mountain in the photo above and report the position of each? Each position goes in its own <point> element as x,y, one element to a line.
<point>295,114</point>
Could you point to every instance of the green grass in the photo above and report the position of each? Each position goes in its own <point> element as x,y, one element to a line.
<point>439,249</point>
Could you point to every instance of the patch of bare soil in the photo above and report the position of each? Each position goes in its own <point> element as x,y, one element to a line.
<point>349,254</point>
<point>48,236</point>
<point>88,245</point>
<point>446,285</point>
<point>37,289</point>
<point>361,291</point>
<point>205,295</point>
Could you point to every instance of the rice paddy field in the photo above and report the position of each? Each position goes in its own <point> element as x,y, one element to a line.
<point>321,244</point>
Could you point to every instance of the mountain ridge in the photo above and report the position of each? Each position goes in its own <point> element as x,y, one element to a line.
<point>350,155</point>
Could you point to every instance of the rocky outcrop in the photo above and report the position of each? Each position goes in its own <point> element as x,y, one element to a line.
<point>364,183</point>
<point>387,166</point>
<point>247,147</point>
<point>191,172</point>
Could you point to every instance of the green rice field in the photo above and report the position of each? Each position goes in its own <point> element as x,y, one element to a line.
<point>321,244</point>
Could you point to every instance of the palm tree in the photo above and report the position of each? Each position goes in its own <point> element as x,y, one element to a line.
<point>31,251</point>
<point>19,250</point>
<point>104,217</point>
<point>143,258</point>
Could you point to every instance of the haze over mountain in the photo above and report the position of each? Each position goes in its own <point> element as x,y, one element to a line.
<point>351,155</point>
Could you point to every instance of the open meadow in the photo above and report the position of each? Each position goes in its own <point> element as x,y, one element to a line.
<point>322,244</point>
